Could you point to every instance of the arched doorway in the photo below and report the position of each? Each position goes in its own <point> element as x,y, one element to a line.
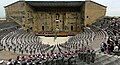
<point>71,28</point>
<point>42,28</point>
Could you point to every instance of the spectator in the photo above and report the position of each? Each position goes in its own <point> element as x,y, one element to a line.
<point>103,46</point>
<point>116,48</point>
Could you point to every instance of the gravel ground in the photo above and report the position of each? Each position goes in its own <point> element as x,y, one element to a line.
<point>5,55</point>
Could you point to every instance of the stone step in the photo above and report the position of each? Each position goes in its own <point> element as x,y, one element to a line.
<point>115,62</point>
<point>101,58</point>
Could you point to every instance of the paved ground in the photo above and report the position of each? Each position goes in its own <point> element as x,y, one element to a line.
<point>7,55</point>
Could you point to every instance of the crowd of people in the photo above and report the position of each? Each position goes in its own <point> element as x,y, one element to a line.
<point>63,56</point>
<point>53,58</point>
<point>39,55</point>
<point>110,47</point>
<point>19,41</point>
<point>112,27</point>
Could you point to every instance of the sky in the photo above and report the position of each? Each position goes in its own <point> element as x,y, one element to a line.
<point>113,6</point>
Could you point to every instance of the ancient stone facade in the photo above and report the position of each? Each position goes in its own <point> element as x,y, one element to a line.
<point>93,11</point>
<point>67,16</point>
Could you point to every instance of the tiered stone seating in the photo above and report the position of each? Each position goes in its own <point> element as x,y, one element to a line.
<point>92,36</point>
<point>107,28</point>
<point>114,62</point>
<point>4,32</point>
<point>105,59</point>
<point>100,36</point>
<point>20,41</point>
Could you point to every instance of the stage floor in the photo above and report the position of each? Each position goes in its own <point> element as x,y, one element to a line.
<point>53,41</point>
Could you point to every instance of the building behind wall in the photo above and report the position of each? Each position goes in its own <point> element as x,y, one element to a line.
<point>66,16</point>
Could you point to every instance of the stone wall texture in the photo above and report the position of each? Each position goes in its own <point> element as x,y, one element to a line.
<point>37,21</point>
